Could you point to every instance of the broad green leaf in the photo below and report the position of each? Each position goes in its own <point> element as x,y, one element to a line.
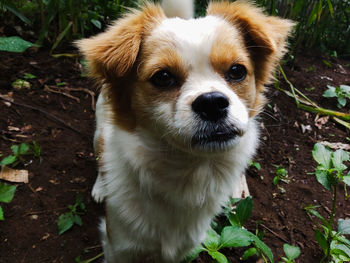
<point>96,23</point>
<point>341,101</point>
<point>321,240</point>
<point>23,148</point>
<point>340,156</point>
<point>219,257</point>
<point>235,237</point>
<point>322,155</point>
<point>345,88</point>
<point>249,253</point>
<point>322,178</point>
<point>343,240</point>
<point>262,247</point>
<point>291,252</point>
<point>7,192</point>
<point>8,160</point>
<point>244,210</point>
<point>330,92</point>
<point>194,253</point>
<point>15,149</point>
<point>14,44</point>
<point>65,222</point>
<point>212,240</point>
<point>342,250</point>
<point>346,179</point>
<point>77,220</point>
<point>1,214</point>
<point>344,226</point>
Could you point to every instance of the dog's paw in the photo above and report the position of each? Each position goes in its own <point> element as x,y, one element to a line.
<point>98,192</point>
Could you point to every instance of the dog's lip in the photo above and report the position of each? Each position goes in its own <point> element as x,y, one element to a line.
<point>217,136</point>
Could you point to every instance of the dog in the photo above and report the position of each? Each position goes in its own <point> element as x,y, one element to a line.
<point>175,120</point>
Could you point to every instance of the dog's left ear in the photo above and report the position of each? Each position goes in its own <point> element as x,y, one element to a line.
<point>112,54</point>
<point>265,36</point>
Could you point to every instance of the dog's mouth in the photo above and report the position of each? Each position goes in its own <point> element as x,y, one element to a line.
<point>216,138</point>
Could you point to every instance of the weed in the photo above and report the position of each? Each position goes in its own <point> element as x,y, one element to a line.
<point>341,92</point>
<point>281,175</point>
<point>233,235</point>
<point>67,220</point>
<point>14,44</point>
<point>7,193</point>
<point>255,165</point>
<point>19,152</point>
<point>291,252</point>
<point>329,173</point>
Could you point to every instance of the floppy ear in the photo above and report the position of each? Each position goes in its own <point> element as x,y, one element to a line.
<point>112,54</point>
<point>265,36</point>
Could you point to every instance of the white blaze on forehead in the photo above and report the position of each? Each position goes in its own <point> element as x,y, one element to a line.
<point>192,38</point>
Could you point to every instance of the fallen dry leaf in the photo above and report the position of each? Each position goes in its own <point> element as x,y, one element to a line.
<point>336,145</point>
<point>14,176</point>
<point>320,121</point>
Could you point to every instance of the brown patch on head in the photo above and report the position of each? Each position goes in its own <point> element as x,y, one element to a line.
<point>229,50</point>
<point>112,55</point>
<point>264,37</point>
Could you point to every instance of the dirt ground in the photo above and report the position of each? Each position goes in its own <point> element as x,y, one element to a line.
<point>63,124</point>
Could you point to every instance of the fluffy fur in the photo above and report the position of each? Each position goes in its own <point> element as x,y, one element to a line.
<point>164,170</point>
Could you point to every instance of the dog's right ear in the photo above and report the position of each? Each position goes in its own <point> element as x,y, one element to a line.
<point>112,54</point>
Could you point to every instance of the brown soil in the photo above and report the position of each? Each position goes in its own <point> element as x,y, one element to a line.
<point>29,232</point>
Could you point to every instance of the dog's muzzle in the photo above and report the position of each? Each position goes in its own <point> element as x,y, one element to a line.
<point>215,131</point>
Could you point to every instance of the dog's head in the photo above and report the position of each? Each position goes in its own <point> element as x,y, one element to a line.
<point>193,83</point>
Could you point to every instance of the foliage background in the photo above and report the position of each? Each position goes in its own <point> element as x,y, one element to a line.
<point>323,25</point>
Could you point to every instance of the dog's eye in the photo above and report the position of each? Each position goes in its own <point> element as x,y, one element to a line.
<point>236,72</point>
<point>163,79</point>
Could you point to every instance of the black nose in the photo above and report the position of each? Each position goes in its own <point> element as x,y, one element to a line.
<point>211,106</point>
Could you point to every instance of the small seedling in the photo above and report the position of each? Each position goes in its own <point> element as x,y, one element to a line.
<point>29,76</point>
<point>342,93</point>
<point>67,220</point>
<point>255,164</point>
<point>7,193</point>
<point>327,63</point>
<point>20,84</point>
<point>329,173</point>
<point>19,152</point>
<point>233,235</point>
<point>291,252</point>
<point>281,175</point>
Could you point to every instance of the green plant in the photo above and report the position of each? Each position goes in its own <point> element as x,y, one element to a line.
<point>67,220</point>
<point>14,44</point>
<point>341,92</point>
<point>233,235</point>
<point>281,175</point>
<point>19,152</point>
<point>255,164</point>
<point>330,172</point>
<point>291,252</point>
<point>7,193</point>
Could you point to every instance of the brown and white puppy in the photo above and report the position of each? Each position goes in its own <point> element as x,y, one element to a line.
<point>175,121</point>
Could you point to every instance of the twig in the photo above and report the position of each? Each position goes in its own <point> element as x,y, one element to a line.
<point>274,233</point>
<point>305,103</point>
<point>50,116</point>
<point>58,91</point>
<point>67,94</point>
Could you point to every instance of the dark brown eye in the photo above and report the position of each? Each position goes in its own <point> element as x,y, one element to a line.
<point>163,79</point>
<point>236,73</point>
